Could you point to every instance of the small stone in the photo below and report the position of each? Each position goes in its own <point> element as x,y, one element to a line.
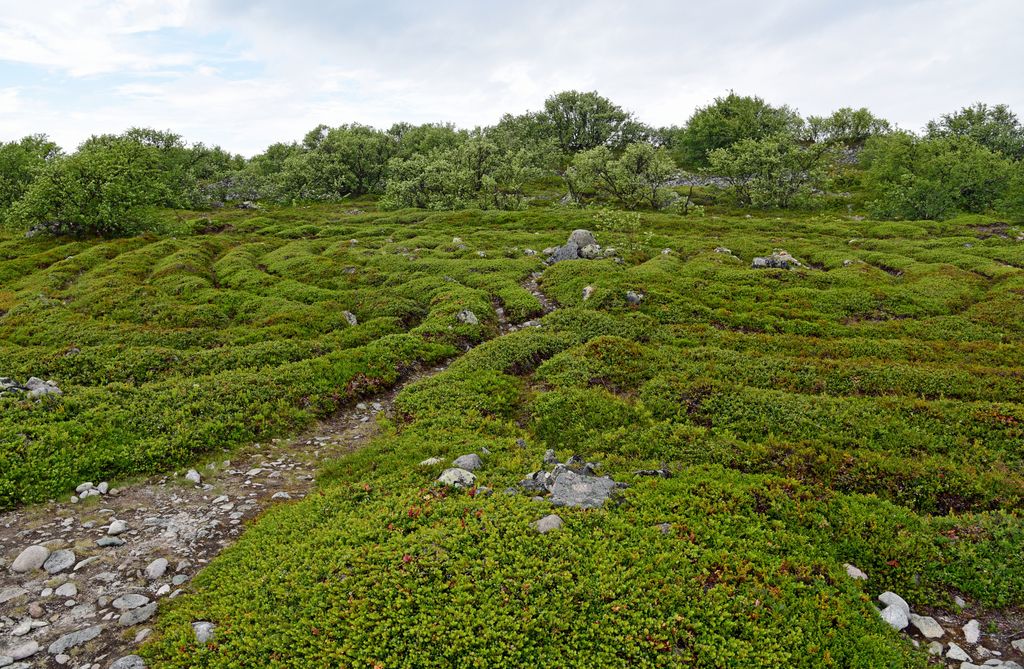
<point>855,573</point>
<point>350,318</point>
<point>163,590</point>
<point>194,477</point>
<point>550,458</point>
<point>281,495</point>
<point>73,639</point>
<point>156,569</point>
<point>204,631</point>
<point>468,317</point>
<point>895,616</point>
<point>130,601</point>
<point>129,662</point>
<point>634,297</point>
<point>82,487</point>
<point>13,592</point>
<point>143,635</point>
<point>179,579</point>
<point>109,542</point>
<point>220,500</point>
<point>117,527</point>
<point>59,561</point>
<point>458,477</point>
<point>62,658</point>
<point>36,610</point>
<point>892,599</point>
<point>136,616</point>
<point>30,559</point>
<point>103,487</point>
<point>1018,645</point>
<point>67,591</point>
<point>470,462</point>
<point>955,652</point>
<point>588,292</point>
<point>935,648</point>
<point>430,462</point>
<point>27,649</point>
<point>972,631</point>
<point>927,626</point>
<point>548,523</point>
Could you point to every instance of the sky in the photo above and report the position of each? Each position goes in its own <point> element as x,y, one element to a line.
<point>243,74</point>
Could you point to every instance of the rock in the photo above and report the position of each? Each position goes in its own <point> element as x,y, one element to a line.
<point>11,593</point>
<point>194,476</point>
<point>156,569</point>
<point>73,639</point>
<point>67,591</point>
<point>468,317</point>
<point>972,631</point>
<point>570,251</point>
<point>548,523</point>
<point>117,527</point>
<point>27,649</point>
<point>204,631</point>
<point>892,599</point>
<point>130,601</point>
<point>666,252</point>
<point>537,482</point>
<point>430,462</point>
<point>280,495</point>
<point>935,648</point>
<point>109,542</point>
<point>103,487</point>
<point>36,610</point>
<point>550,458</point>
<point>582,238</point>
<point>143,634</point>
<point>62,658</point>
<point>634,298</point>
<point>927,626</point>
<point>955,652</point>
<point>129,662</point>
<point>855,573</point>
<point>179,579</point>
<point>895,616</point>
<point>136,616</point>
<point>6,660</point>
<point>82,487</point>
<point>529,252</point>
<point>37,388</point>
<point>588,292</point>
<point>722,249</point>
<point>30,559</point>
<point>470,462</point>
<point>778,260</point>
<point>1018,645</point>
<point>960,601</point>
<point>350,318</point>
<point>248,204</point>
<point>591,252</point>
<point>581,491</point>
<point>458,477</point>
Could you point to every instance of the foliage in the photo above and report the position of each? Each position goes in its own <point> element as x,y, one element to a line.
<point>578,122</point>
<point>637,178</point>
<point>729,120</point>
<point>994,127</point>
<point>775,171</point>
<point>847,127</point>
<point>907,177</point>
<point>20,163</point>
<point>350,160</point>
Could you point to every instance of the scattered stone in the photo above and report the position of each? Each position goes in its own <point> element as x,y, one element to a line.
<point>722,249</point>
<point>778,260</point>
<point>855,573</point>
<point>665,252</point>
<point>82,487</point>
<point>1018,645</point>
<point>143,634</point>
<point>927,626</point>
<point>129,602</point>
<point>892,599</point>
<point>458,477</point>
<point>548,523</point>
<point>156,569</point>
<point>350,318</point>
<point>117,527</point>
<point>36,610</point>
<point>581,245</point>
<point>577,490</point>
<point>430,462</point>
<point>103,487</point>
<point>550,458</point>
<point>204,631</point>
<point>179,579</point>
<point>468,317</point>
<point>11,593</point>
<point>129,662</point>
<point>588,292</point>
<point>136,616</point>
<point>109,542</point>
<point>955,652</point>
<point>194,476</point>
<point>470,462</point>
<point>37,388</point>
<point>960,601</point>
<point>30,559</point>
<point>633,297</point>
<point>540,482</point>
<point>590,252</point>
<point>972,631</point>
<point>67,591</point>
<point>895,616</point>
<point>21,651</point>
<point>935,648</point>
<point>281,495</point>
<point>73,639</point>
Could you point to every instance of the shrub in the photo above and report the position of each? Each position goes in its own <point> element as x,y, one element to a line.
<point>637,178</point>
<point>731,119</point>
<point>772,172</point>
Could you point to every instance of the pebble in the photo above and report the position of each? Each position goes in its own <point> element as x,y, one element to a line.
<point>82,487</point>
<point>103,487</point>
<point>106,542</point>
<point>1018,645</point>
<point>13,592</point>
<point>927,626</point>
<point>36,610</point>
<point>73,639</point>
<point>59,561</point>
<point>30,559</point>
<point>163,590</point>
<point>27,649</point>
<point>458,477</point>
<point>972,631</point>
<point>67,590</point>
<point>130,601</point>
<point>194,477</point>
<point>935,648</point>
<point>281,495</point>
<point>548,523</point>
<point>470,462</point>
<point>955,652</point>
<point>855,573</point>
<point>117,527</point>
<point>895,616</point>
<point>136,616</point>
<point>204,631</point>
<point>430,462</point>
<point>892,599</point>
<point>143,634</point>
<point>129,662</point>
<point>156,569</point>
<point>179,579</point>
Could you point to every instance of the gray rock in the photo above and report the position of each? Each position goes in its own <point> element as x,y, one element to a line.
<point>27,649</point>
<point>194,476</point>
<point>722,249</point>
<point>955,652</point>
<point>548,523</point>
<point>430,462</point>
<point>130,601</point>
<point>927,626</point>
<point>350,318</point>
<point>136,616</point>
<point>103,487</point>
<point>892,599</point>
<point>6,660</point>
<point>280,495</point>
<point>468,317</point>
<point>855,573</point>
<point>581,491</point>
<point>537,482</point>
<point>458,477</point>
<point>634,297</point>
<point>590,252</point>
<point>30,559</point>
<point>1018,645</point>
<point>972,631</point>
<point>82,487</point>
<point>582,238</point>
<point>117,527</point>
<point>588,292</point>
<point>11,593</point>
<point>109,542</point>
<point>935,648</point>
<point>129,662</point>
<point>67,591</point>
<point>156,569</point>
<point>470,462</point>
<point>179,579</point>
<point>204,631</point>
<point>550,458</point>
<point>37,388</point>
<point>570,251</point>
<point>895,616</point>
<point>778,260</point>
<point>73,639</point>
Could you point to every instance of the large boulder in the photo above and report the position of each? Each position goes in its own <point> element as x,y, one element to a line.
<point>581,245</point>
<point>580,490</point>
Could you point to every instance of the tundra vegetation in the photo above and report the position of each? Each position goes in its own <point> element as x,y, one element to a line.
<point>864,406</point>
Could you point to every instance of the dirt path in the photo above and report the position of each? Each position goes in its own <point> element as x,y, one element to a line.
<point>88,604</point>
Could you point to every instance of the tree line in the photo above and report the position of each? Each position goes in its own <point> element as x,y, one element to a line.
<point>751,154</point>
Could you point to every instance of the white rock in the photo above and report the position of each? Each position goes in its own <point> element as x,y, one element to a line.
<point>82,487</point>
<point>67,590</point>
<point>430,462</point>
<point>194,476</point>
<point>103,487</point>
<point>855,573</point>
<point>972,631</point>
<point>204,631</point>
<point>130,601</point>
<point>27,649</point>
<point>470,462</point>
<point>935,648</point>
<point>455,476</point>
<point>548,523</point>
<point>30,559</point>
<point>927,626</point>
<point>895,616</point>
<point>892,599</point>
<point>955,652</point>
<point>163,590</point>
<point>6,660</point>
<point>1018,645</point>
<point>117,527</point>
<point>281,495</point>
<point>959,601</point>
<point>156,568</point>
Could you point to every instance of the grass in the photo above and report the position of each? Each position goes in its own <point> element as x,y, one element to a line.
<point>866,409</point>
